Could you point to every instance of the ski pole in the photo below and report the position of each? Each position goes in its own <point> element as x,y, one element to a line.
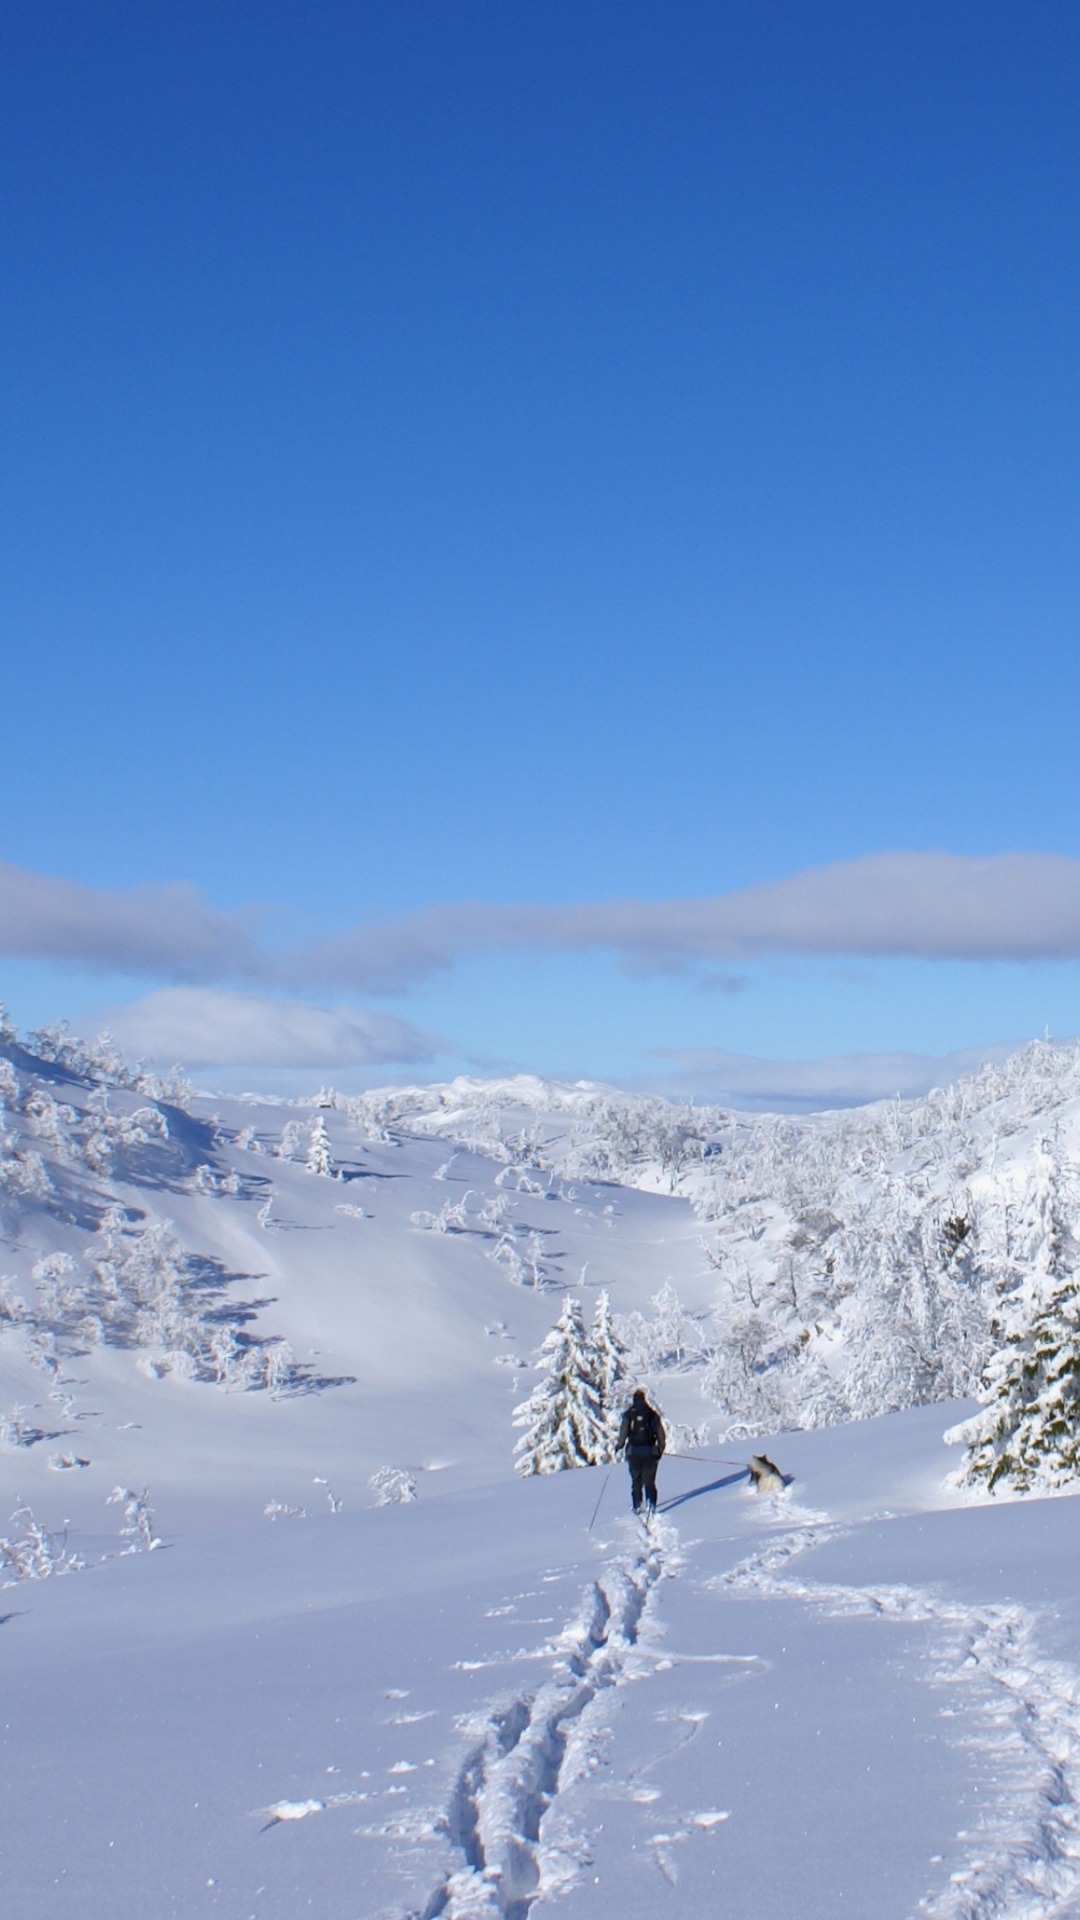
<point>603,1490</point>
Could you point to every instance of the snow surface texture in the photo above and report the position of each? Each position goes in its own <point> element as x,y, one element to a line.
<point>285,1635</point>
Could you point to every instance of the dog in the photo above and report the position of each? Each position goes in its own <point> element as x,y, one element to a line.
<point>765,1475</point>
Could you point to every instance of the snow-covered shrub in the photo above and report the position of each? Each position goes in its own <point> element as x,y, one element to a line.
<point>12,1304</point>
<point>278,1368</point>
<point>23,1175</point>
<point>138,1527</point>
<point>51,1119</point>
<point>110,1136</point>
<point>288,1147</point>
<point>33,1553</point>
<point>59,1293</point>
<point>40,1348</point>
<point>16,1430</point>
<point>392,1486</point>
<point>280,1510</point>
<point>504,1254</point>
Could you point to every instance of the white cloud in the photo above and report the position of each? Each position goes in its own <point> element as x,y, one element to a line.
<point>208,1027</point>
<point>168,931</point>
<point>939,906</point>
<point>812,1086</point>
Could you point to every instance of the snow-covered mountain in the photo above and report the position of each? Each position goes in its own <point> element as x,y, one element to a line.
<point>270,1583</point>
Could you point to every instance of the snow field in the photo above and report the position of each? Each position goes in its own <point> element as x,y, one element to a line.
<point>860,1697</point>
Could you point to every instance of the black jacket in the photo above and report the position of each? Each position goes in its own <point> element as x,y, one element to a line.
<point>655,1445</point>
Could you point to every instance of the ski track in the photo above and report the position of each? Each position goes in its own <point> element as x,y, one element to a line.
<point>1025,1853</point>
<point>534,1747</point>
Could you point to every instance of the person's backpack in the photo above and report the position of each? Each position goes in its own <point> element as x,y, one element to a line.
<point>640,1425</point>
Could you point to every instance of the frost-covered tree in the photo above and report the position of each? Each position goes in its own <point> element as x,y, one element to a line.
<point>1028,1433</point>
<point>563,1417</point>
<point>60,1294</point>
<point>50,1119</point>
<point>747,1376</point>
<point>609,1365</point>
<point>319,1156</point>
<point>23,1175</point>
<point>669,1339</point>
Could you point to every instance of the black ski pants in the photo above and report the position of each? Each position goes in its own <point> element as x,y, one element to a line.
<point>642,1462</point>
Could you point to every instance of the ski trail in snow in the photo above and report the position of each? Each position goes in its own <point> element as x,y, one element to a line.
<point>533,1748</point>
<point>1025,1853</point>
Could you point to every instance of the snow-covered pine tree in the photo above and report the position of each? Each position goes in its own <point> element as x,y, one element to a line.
<point>1029,1433</point>
<point>319,1157</point>
<point>563,1417</point>
<point>609,1367</point>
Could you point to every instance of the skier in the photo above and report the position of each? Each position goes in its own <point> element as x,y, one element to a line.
<point>642,1435</point>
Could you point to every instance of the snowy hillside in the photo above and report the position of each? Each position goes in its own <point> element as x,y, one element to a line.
<point>859,1258</point>
<point>256,1275</point>
<point>283,1631</point>
<point>176,1257</point>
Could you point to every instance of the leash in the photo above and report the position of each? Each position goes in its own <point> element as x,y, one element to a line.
<point>699,1461</point>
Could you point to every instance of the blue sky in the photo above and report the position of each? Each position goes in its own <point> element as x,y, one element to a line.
<point>539,456</point>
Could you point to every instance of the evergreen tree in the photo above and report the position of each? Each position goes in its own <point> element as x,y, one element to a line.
<point>609,1368</point>
<point>319,1158</point>
<point>563,1417</point>
<point>1029,1433</point>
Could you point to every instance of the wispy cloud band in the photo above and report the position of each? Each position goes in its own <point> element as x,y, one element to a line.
<point>933,906</point>
<point>168,932</point>
<point>939,906</point>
